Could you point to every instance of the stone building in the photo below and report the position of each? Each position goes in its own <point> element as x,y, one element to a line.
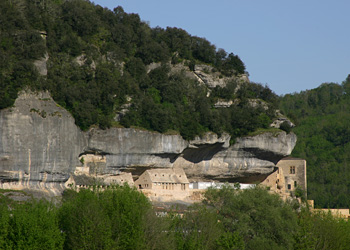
<point>119,179</point>
<point>290,174</point>
<point>163,179</point>
<point>164,184</point>
<point>88,181</point>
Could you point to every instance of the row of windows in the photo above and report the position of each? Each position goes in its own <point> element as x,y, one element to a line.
<point>169,175</point>
<point>169,186</point>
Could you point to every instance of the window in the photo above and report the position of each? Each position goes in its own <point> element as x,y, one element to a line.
<point>292,169</point>
<point>295,184</point>
<point>289,187</point>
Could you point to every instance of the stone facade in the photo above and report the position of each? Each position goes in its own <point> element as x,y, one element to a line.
<point>164,184</point>
<point>289,174</point>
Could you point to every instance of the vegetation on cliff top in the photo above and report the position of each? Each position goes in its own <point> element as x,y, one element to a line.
<point>97,61</point>
<point>123,218</point>
<point>322,118</point>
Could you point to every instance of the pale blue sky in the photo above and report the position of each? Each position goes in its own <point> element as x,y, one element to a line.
<point>289,45</point>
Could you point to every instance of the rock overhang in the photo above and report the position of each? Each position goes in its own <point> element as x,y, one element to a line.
<point>42,144</point>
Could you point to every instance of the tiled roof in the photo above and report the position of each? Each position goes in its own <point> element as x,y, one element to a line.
<point>169,175</point>
<point>289,158</point>
<point>84,180</point>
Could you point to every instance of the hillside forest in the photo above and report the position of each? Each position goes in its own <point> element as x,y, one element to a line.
<point>123,218</point>
<point>97,61</point>
<point>322,121</point>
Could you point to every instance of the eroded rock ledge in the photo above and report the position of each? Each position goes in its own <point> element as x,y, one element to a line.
<point>40,148</point>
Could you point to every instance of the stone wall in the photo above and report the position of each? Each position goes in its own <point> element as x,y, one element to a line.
<point>289,174</point>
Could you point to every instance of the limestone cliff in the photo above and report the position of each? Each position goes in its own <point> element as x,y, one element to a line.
<point>39,143</point>
<point>40,147</point>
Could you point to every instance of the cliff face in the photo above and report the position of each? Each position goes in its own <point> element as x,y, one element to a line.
<point>250,159</point>
<point>39,143</point>
<point>40,147</point>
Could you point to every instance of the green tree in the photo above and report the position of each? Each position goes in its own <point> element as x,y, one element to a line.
<point>5,229</point>
<point>99,60</point>
<point>84,222</point>
<point>127,211</point>
<point>262,219</point>
<point>198,229</point>
<point>34,225</point>
<point>322,130</point>
<point>321,230</point>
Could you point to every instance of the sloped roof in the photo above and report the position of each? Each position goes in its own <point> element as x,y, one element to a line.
<point>84,180</point>
<point>168,175</point>
<point>290,158</point>
<point>118,179</point>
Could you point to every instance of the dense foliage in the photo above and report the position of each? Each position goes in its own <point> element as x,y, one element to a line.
<point>97,61</point>
<point>123,218</point>
<point>322,118</point>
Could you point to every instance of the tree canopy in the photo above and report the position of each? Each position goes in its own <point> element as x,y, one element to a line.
<point>122,218</point>
<point>97,62</point>
<point>322,120</point>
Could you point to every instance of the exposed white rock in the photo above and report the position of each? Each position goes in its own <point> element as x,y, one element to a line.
<point>41,64</point>
<point>204,74</point>
<point>249,156</point>
<point>223,104</point>
<point>40,148</point>
<point>255,103</point>
<point>211,138</point>
<point>82,59</point>
<point>153,66</point>
<point>39,143</point>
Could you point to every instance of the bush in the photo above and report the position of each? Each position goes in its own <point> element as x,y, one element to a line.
<point>285,126</point>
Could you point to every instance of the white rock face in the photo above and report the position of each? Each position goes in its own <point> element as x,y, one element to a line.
<point>204,74</point>
<point>250,158</point>
<point>132,141</point>
<point>39,142</point>
<point>41,64</point>
<point>40,147</point>
<point>213,79</point>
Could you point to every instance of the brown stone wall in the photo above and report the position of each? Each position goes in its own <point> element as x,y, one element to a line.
<point>289,174</point>
<point>294,171</point>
